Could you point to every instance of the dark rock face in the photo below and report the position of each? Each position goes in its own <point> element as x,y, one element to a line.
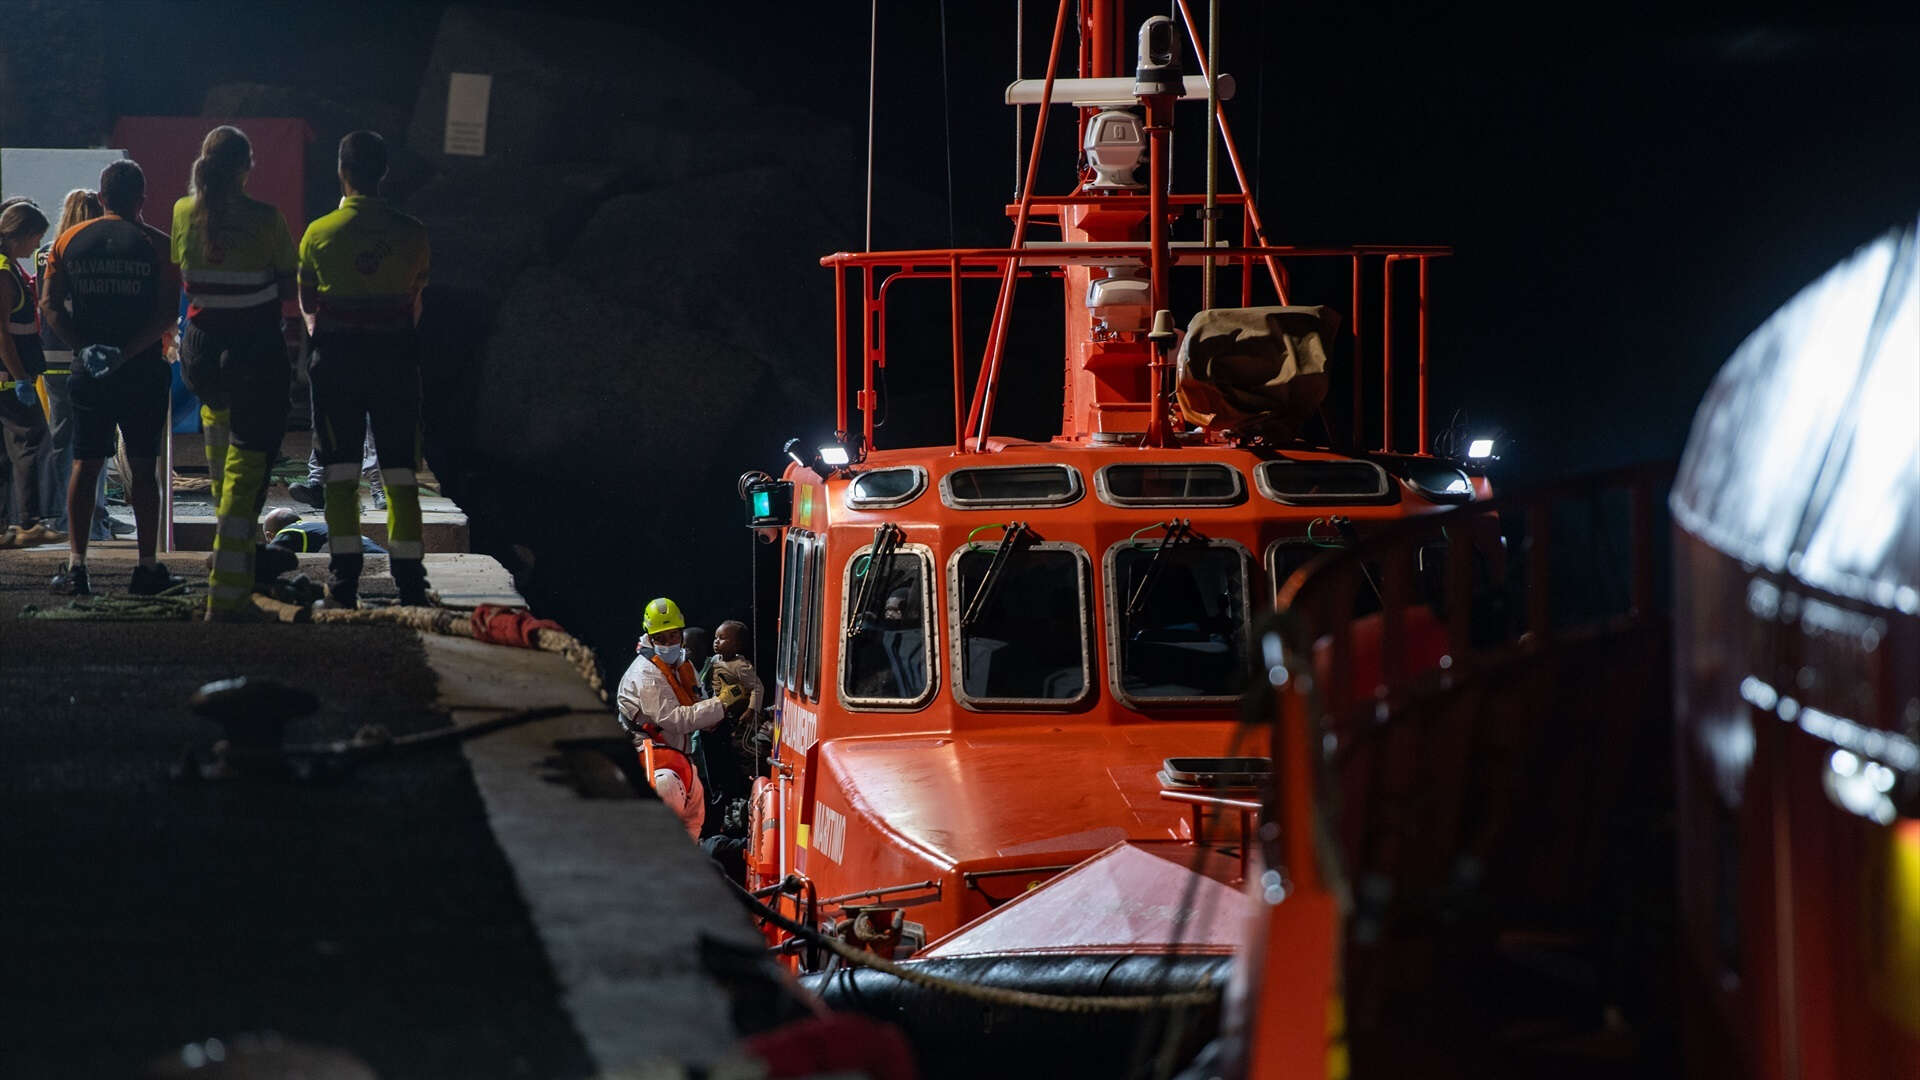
<point>627,309</point>
<point>52,73</point>
<point>331,119</point>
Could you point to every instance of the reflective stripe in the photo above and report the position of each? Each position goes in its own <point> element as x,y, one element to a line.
<point>232,561</point>
<point>343,545</point>
<point>406,549</point>
<point>234,528</point>
<point>399,478</point>
<point>342,474</point>
<point>57,371</point>
<point>228,597</point>
<point>211,302</point>
<point>198,277</point>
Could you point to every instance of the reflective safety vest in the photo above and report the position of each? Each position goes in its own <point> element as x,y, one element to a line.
<point>23,322</point>
<point>656,754</point>
<point>234,280</point>
<point>367,262</point>
<point>23,318</point>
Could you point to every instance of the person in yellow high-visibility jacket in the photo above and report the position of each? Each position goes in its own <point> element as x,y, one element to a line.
<point>236,262</point>
<point>362,268</point>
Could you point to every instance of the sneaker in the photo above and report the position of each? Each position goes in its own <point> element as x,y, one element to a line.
<point>308,492</point>
<point>119,528</point>
<point>38,533</point>
<point>153,580</point>
<point>72,582</point>
<point>379,499</point>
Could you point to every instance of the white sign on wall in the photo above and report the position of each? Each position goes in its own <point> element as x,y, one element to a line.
<point>467,97</point>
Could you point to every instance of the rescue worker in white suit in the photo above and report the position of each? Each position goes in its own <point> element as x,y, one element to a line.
<point>661,705</point>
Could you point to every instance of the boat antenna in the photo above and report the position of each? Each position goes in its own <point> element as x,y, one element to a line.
<point>873,58</point>
<point>1213,146</point>
<point>1019,65</point>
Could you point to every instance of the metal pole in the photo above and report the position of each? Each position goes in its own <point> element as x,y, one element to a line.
<point>1386,356</point>
<point>1423,448</point>
<point>996,340</point>
<point>1359,434</point>
<point>959,361</point>
<point>166,485</point>
<point>840,352</point>
<point>1213,166</point>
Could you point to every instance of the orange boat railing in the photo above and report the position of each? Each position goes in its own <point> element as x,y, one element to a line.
<point>1397,767</point>
<point>956,265</point>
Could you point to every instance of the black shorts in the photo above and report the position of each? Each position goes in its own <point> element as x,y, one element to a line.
<point>136,398</point>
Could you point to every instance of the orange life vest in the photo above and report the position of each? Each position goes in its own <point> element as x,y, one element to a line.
<point>657,754</point>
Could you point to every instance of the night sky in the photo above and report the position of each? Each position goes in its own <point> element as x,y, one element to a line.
<point>1629,192</point>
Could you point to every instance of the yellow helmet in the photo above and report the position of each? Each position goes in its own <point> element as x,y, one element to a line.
<point>663,614</point>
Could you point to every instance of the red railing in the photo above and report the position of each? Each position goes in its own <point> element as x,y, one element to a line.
<point>955,265</point>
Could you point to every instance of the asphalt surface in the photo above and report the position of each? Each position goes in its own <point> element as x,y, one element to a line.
<point>138,913</point>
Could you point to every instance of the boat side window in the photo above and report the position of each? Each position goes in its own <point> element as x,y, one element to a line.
<point>882,489</point>
<point>1208,483</point>
<point>1317,481</point>
<point>1179,617</point>
<point>816,586</point>
<point>789,609</point>
<point>800,613</point>
<point>887,657</point>
<point>984,487</point>
<point>1020,631</point>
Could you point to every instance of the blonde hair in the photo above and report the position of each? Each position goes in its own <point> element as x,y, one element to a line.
<point>225,157</point>
<point>79,205</point>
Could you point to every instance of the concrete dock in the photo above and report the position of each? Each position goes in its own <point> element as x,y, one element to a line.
<point>459,910</point>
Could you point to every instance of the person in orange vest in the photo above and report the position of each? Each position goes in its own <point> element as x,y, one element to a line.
<point>662,705</point>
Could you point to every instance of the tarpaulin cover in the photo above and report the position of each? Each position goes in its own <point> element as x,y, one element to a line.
<point>1805,456</point>
<point>165,147</point>
<point>1255,371</point>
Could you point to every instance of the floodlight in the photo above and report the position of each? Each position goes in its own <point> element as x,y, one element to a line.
<point>835,456</point>
<point>1480,449</point>
<point>792,451</point>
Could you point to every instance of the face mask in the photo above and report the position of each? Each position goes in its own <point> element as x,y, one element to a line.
<point>671,655</point>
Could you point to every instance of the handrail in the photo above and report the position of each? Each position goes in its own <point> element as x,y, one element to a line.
<point>887,268</point>
<point>933,258</point>
<point>1314,606</point>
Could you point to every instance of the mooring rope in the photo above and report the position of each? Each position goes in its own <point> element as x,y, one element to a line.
<point>992,995</point>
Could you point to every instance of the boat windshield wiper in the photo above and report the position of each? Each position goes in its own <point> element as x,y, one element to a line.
<point>869,593</point>
<point>1016,532</point>
<point>1179,531</point>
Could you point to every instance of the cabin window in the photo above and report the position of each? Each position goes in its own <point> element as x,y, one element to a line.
<point>1309,483</point>
<point>1001,486</point>
<point>1178,616</point>
<point>800,613</point>
<point>1020,631</point>
<point>1170,484</point>
<point>884,489</point>
<point>887,660</point>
